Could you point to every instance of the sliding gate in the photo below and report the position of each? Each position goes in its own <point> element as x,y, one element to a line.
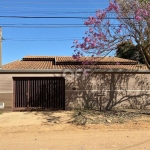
<point>39,93</point>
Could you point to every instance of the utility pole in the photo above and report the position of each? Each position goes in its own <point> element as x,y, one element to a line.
<point>0,48</point>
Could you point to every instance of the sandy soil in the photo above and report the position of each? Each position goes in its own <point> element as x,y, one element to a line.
<point>51,131</point>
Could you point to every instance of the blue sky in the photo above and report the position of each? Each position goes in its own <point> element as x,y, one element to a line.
<point>23,36</point>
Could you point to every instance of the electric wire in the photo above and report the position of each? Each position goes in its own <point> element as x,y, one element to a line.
<point>31,10</point>
<point>40,8</point>
<point>52,3</point>
<point>55,17</point>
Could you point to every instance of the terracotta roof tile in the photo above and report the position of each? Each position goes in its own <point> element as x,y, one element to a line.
<point>67,58</point>
<point>28,65</point>
<point>34,63</point>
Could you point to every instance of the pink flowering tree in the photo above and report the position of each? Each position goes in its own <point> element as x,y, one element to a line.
<point>121,21</point>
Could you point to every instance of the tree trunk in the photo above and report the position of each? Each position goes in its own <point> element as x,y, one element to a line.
<point>146,56</point>
<point>112,92</point>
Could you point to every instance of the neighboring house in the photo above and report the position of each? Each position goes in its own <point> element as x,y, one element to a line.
<point>47,82</point>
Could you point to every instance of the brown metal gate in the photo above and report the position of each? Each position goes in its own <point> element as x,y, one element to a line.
<point>39,93</point>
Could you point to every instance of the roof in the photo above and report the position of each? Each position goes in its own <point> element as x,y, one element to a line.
<point>71,59</point>
<point>66,62</point>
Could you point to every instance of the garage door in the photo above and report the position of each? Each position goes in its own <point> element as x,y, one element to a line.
<point>39,93</point>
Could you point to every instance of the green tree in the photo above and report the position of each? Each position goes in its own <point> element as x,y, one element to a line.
<point>128,50</point>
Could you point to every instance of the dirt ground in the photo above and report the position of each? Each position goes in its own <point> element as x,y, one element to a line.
<point>54,131</point>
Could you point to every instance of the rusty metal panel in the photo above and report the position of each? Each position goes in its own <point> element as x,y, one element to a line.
<point>20,93</point>
<point>39,93</point>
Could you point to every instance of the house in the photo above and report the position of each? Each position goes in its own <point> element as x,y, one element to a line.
<point>61,83</point>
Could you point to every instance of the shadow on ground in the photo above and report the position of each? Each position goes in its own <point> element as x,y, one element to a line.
<point>83,117</point>
<point>53,117</point>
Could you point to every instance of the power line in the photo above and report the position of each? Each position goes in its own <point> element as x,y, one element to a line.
<point>10,38</point>
<point>54,17</point>
<point>44,27</point>
<point>49,12</point>
<point>40,39</point>
<point>37,8</point>
<point>26,24</point>
<point>53,3</point>
<point>43,17</point>
<point>51,26</point>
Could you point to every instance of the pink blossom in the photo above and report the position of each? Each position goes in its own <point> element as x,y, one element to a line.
<point>98,39</point>
<point>93,44</point>
<point>87,39</point>
<point>86,22</point>
<point>78,46</point>
<point>112,6</point>
<point>138,18</point>
<point>145,13</point>
<point>77,57</point>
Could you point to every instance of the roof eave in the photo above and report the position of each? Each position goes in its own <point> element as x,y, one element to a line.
<point>73,70</point>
